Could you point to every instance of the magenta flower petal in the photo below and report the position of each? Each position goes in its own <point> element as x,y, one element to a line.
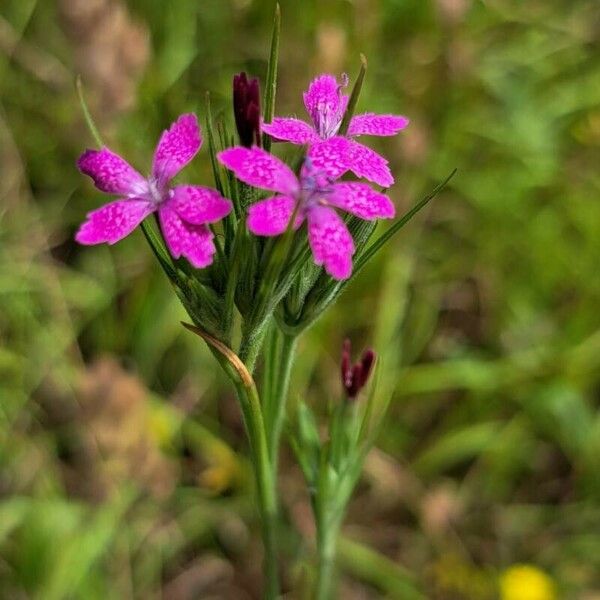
<point>259,169</point>
<point>271,216</point>
<point>330,156</point>
<point>330,241</point>
<point>364,162</point>
<point>197,204</point>
<point>112,222</point>
<point>176,147</point>
<point>325,104</point>
<point>372,124</point>
<point>290,130</point>
<point>361,200</point>
<point>194,242</point>
<point>111,173</point>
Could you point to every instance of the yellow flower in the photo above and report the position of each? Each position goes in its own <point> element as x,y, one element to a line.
<point>525,582</point>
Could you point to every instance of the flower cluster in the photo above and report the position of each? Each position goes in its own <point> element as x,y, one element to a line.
<point>186,211</point>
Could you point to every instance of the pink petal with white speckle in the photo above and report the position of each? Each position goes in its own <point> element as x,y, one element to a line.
<point>113,221</point>
<point>330,156</point>
<point>364,162</point>
<point>372,124</point>
<point>111,173</point>
<point>194,242</point>
<point>361,200</point>
<point>197,204</point>
<point>272,216</point>
<point>261,169</point>
<point>290,130</point>
<point>176,147</point>
<point>330,241</point>
<point>325,104</point>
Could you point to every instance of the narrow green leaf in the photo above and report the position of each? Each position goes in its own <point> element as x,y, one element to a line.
<point>455,447</point>
<point>326,290</point>
<point>389,577</point>
<point>305,466</point>
<point>397,226</point>
<point>230,221</point>
<point>354,96</point>
<point>212,149</point>
<point>271,83</point>
<point>369,409</point>
<point>307,443</point>
<point>87,114</point>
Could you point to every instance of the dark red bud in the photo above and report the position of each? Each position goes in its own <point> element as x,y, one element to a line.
<point>246,109</point>
<point>367,361</point>
<point>355,377</point>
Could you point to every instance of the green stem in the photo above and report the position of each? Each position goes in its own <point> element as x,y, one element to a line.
<point>271,353</point>
<point>265,483</point>
<point>250,405</point>
<point>276,401</point>
<point>327,534</point>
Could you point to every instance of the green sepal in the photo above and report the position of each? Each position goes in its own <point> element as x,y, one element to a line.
<point>323,290</point>
<point>247,195</point>
<point>204,306</point>
<point>304,279</point>
<point>249,261</point>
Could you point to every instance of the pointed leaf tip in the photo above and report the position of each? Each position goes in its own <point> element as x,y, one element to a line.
<point>87,114</point>
<point>354,95</point>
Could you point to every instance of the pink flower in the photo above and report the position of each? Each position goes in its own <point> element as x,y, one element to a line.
<point>183,210</point>
<point>336,154</point>
<point>317,198</point>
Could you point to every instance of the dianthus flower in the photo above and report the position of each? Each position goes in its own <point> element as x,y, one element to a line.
<point>183,210</point>
<point>316,197</point>
<point>336,154</point>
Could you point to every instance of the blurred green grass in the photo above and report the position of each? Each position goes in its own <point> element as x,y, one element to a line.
<point>485,311</point>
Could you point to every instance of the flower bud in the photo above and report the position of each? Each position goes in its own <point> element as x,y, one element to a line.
<point>355,376</point>
<point>246,109</point>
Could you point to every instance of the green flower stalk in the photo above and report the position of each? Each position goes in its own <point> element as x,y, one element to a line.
<point>333,465</point>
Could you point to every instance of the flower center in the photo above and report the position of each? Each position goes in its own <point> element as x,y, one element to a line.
<point>316,186</point>
<point>328,121</point>
<point>157,192</point>
<point>329,115</point>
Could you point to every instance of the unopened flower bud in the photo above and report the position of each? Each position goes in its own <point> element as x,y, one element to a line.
<point>246,109</point>
<point>355,376</point>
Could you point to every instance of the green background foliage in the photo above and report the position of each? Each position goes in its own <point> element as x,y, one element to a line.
<point>122,469</point>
